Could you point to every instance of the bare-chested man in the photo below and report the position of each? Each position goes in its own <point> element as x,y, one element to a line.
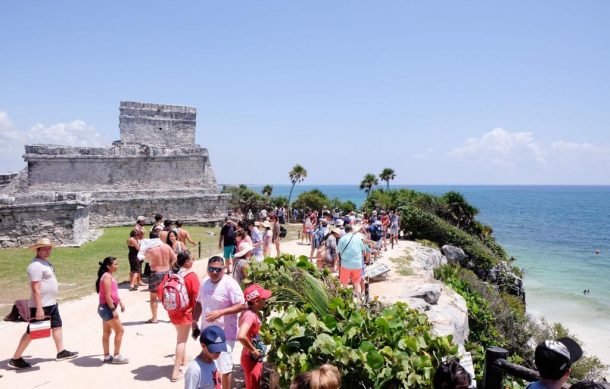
<point>183,235</point>
<point>167,227</point>
<point>161,258</point>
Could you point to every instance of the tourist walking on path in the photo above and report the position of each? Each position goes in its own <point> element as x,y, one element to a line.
<point>219,301</point>
<point>351,255</point>
<point>135,265</point>
<point>257,240</point>
<point>249,325</point>
<point>276,234</point>
<point>226,241</point>
<point>182,317</point>
<point>242,263</point>
<point>139,227</point>
<point>109,300</point>
<point>161,258</point>
<point>183,234</point>
<point>394,227</point>
<point>43,303</point>
<point>202,373</point>
<point>267,238</point>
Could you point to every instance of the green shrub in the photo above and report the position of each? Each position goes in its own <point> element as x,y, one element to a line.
<point>312,199</point>
<point>374,346</point>
<point>424,225</point>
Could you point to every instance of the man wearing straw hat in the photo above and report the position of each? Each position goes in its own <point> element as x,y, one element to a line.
<point>43,303</point>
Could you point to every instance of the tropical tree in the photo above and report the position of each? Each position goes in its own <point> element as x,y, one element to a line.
<point>387,175</point>
<point>297,174</point>
<point>457,210</point>
<point>368,182</point>
<point>267,190</point>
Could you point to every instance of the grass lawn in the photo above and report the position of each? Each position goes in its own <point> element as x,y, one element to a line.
<point>77,267</point>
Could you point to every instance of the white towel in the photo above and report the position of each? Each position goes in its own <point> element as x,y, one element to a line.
<point>146,245</point>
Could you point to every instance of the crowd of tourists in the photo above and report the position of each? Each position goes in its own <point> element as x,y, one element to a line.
<point>218,311</point>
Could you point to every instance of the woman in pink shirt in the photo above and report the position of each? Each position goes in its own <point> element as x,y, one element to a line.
<point>108,291</point>
<point>249,326</point>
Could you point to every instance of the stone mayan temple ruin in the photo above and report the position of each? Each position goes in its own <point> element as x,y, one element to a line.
<point>67,192</point>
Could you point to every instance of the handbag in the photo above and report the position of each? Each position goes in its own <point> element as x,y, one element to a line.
<point>39,329</point>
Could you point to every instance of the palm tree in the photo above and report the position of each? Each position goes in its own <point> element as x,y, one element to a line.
<point>387,175</point>
<point>297,174</point>
<point>267,190</point>
<point>368,182</point>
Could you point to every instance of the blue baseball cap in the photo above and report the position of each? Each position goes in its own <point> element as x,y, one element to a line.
<point>214,338</point>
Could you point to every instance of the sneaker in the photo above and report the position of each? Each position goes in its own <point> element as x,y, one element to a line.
<point>119,360</point>
<point>107,359</point>
<point>19,363</point>
<point>65,354</point>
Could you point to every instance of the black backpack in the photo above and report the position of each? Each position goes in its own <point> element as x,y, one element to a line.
<point>283,232</point>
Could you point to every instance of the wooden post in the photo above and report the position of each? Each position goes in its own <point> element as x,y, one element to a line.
<point>492,376</point>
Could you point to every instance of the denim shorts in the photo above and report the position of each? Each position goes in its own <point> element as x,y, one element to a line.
<point>104,311</point>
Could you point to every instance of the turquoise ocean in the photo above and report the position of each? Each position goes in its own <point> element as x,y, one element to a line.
<point>553,232</point>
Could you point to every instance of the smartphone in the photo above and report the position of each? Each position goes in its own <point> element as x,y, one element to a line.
<point>196,333</point>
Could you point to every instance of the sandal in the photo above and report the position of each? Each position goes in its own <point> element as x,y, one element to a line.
<point>150,321</point>
<point>133,288</point>
<point>176,379</point>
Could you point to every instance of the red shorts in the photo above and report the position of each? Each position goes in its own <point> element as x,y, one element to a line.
<point>345,275</point>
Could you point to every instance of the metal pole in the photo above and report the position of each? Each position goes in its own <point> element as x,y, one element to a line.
<point>492,376</point>
<point>199,244</point>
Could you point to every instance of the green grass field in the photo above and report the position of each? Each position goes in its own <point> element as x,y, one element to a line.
<point>77,267</point>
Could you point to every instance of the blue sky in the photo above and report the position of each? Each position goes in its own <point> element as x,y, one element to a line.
<point>444,92</point>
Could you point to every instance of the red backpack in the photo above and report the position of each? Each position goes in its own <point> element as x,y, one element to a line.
<point>173,293</point>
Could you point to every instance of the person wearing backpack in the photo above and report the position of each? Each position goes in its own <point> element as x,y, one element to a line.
<point>178,294</point>
<point>317,238</point>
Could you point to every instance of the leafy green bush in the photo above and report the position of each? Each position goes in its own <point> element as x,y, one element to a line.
<point>313,199</point>
<point>424,225</point>
<point>374,346</point>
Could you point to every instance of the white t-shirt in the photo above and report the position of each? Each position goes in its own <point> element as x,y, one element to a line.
<point>223,294</point>
<point>41,270</point>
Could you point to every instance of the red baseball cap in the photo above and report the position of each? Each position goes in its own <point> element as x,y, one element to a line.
<point>256,291</point>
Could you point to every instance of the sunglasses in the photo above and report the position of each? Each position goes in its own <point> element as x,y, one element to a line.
<point>215,269</point>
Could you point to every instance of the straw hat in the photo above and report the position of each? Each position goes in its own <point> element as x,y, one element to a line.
<point>336,231</point>
<point>266,224</point>
<point>43,242</point>
<point>356,228</point>
<point>246,248</point>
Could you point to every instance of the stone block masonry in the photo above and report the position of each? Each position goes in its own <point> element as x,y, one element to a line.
<point>65,222</point>
<point>155,167</point>
<point>158,124</point>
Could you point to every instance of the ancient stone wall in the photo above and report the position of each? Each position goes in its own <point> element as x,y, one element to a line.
<point>6,179</point>
<point>117,168</point>
<point>157,124</point>
<point>155,167</point>
<point>189,208</point>
<point>64,222</point>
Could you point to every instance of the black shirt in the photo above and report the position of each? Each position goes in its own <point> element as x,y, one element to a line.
<point>228,232</point>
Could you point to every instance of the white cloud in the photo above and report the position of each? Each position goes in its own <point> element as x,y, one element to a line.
<point>518,157</point>
<point>13,139</point>
<point>501,147</point>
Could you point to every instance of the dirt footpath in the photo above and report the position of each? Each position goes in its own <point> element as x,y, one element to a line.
<point>150,347</point>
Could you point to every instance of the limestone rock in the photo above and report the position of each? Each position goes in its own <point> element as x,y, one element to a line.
<point>454,254</point>
<point>429,292</point>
